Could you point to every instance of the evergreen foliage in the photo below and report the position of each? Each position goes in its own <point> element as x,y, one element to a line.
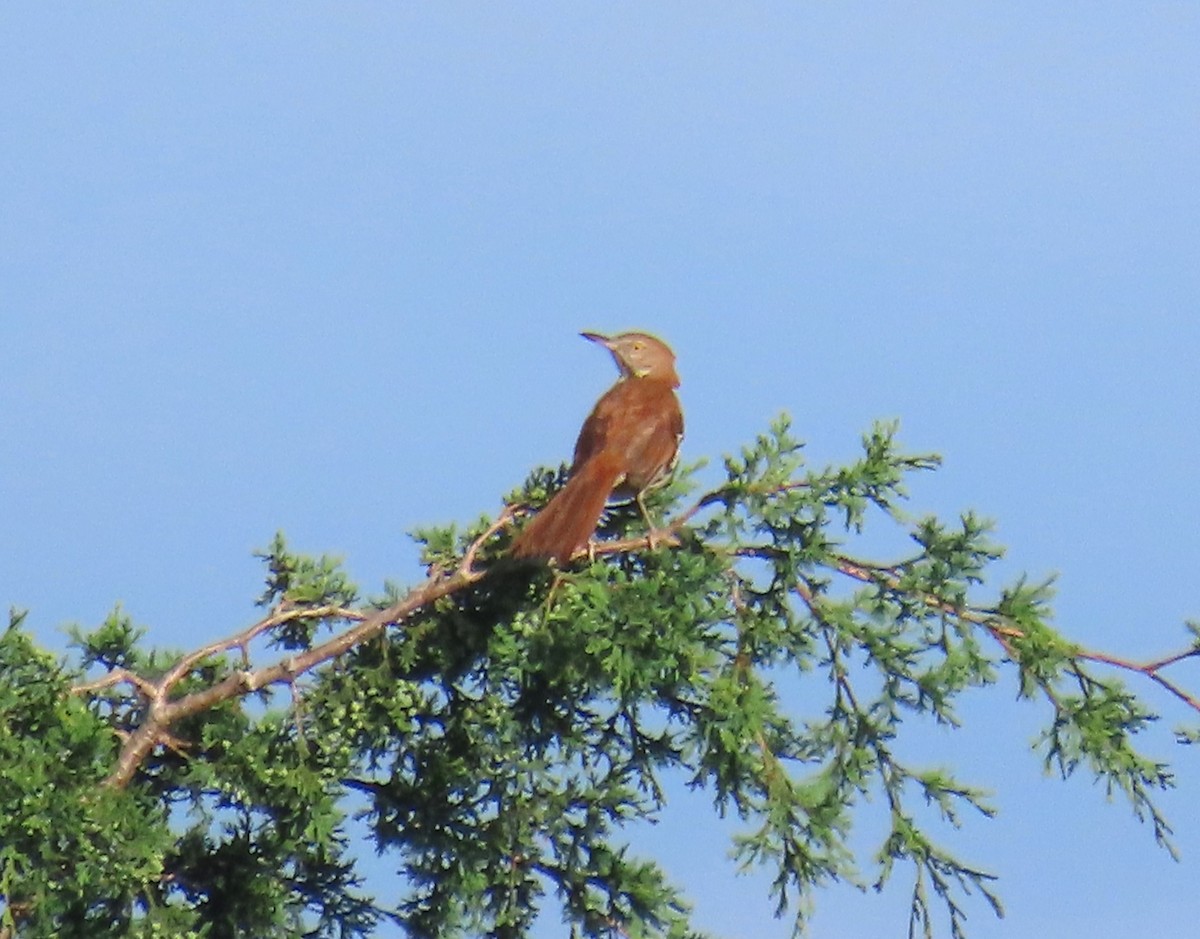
<point>498,726</point>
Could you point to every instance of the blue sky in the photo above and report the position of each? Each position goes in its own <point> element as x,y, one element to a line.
<point>320,268</point>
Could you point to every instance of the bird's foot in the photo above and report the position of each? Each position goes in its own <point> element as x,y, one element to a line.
<point>658,537</point>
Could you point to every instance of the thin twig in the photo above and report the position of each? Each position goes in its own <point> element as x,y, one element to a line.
<point>116,677</point>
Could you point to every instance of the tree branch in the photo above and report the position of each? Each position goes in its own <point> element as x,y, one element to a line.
<point>164,712</point>
<point>1003,632</point>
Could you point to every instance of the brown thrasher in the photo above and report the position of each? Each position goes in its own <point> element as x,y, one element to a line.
<point>627,445</point>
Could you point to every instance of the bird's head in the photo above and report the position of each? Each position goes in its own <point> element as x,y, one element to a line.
<point>639,355</point>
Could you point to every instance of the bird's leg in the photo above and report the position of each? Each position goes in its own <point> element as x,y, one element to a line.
<point>556,581</point>
<point>651,528</point>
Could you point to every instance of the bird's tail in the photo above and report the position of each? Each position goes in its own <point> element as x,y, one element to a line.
<point>564,526</point>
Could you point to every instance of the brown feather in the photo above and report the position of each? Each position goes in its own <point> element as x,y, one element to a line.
<point>564,526</point>
<point>628,444</point>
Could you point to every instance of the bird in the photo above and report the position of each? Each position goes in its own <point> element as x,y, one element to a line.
<point>627,446</point>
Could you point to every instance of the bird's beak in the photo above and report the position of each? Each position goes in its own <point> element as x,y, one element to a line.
<point>598,337</point>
